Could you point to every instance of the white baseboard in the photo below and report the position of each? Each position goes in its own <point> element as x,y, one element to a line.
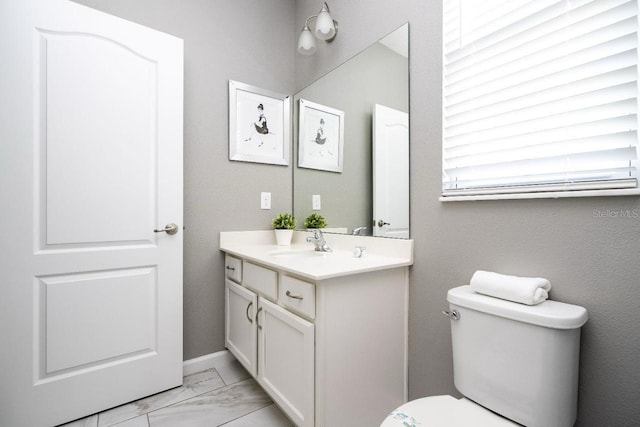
<point>208,361</point>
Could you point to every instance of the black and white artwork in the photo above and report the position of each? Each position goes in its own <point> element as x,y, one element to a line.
<point>258,125</point>
<point>321,135</point>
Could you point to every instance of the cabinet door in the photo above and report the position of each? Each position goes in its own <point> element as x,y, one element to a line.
<point>286,348</point>
<point>240,324</point>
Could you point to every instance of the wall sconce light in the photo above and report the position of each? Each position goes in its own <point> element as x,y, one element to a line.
<point>326,29</point>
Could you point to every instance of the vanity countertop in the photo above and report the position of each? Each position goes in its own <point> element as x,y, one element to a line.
<point>301,259</point>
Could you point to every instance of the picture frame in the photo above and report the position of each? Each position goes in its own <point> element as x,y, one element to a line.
<point>259,125</point>
<point>320,137</point>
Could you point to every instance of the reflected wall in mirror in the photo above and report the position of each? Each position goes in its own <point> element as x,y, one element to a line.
<point>377,76</point>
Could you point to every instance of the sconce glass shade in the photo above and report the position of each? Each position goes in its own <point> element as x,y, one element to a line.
<point>306,42</point>
<point>325,28</point>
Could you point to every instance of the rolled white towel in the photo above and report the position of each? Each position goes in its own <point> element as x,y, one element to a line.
<point>525,290</point>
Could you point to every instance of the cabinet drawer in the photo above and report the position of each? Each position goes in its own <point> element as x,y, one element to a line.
<point>233,268</point>
<point>260,279</point>
<point>298,295</point>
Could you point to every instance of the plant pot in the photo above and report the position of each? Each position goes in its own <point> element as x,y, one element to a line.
<point>283,237</point>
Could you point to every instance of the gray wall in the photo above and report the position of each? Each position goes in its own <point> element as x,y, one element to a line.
<point>584,246</point>
<point>588,251</point>
<point>251,41</point>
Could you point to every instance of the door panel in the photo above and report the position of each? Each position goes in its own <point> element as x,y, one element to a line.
<point>241,331</point>
<point>91,157</point>
<point>69,345</point>
<point>390,172</point>
<point>93,148</point>
<point>286,360</point>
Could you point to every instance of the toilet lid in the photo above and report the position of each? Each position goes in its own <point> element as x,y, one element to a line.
<point>445,411</point>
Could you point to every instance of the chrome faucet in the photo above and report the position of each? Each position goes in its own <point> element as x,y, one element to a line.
<point>357,231</point>
<point>318,240</point>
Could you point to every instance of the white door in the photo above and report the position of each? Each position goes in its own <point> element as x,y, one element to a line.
<point>390,172</point>
<point>91,164</point>
<point>286,360</point>
<point>241,306</point>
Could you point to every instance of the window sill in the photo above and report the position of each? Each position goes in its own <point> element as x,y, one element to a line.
<point>543,195</point>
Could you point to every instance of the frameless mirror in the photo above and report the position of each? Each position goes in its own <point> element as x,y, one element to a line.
<point>351,143</point>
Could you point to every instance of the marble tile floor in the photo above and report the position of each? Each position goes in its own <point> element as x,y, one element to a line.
<point>226,396</point>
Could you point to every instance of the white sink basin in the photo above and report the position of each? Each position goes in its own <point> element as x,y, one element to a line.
<point>297,253</point>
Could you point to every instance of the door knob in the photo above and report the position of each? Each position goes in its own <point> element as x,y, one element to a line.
<point>170,229</point>
<point>381,223</point>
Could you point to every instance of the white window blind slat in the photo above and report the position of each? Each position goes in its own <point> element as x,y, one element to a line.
<point>530,125</point>
<point>565,168</point>
<point>477,19</point>
<point>558,20</point>
<point>611,104</point>
<point>606,131</point>
<point>550,89</point>
<point>467,158</point>
<point>477,32</point>
<point>537,93</point>
<point>576,62</point>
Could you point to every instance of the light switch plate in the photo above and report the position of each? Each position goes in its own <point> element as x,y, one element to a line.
<point>265,200</point>
<point>316,202</point>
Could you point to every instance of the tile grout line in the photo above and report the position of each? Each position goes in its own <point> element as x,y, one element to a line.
<point>247,414</point>
<point>193,397</point>
<point>167,405</point>
<point>217,389</point>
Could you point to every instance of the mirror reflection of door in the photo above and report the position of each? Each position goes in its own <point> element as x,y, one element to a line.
<point>390,172</point>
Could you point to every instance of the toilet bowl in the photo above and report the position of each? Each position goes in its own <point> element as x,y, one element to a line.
<point>445,411</point>
<point>515,364</point>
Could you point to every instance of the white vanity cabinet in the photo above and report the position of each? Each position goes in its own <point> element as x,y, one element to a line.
<point>286,348</point>
<point>240,325</point>
<point>330,351</point>
<point>275,345</point>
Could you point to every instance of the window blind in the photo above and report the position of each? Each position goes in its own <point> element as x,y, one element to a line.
<point>539,96</point>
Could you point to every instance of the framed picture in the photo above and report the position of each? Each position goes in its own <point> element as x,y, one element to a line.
<point>259,125</point>
<point>321,137</point>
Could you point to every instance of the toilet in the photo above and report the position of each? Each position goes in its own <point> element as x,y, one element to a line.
<point>514,364</point>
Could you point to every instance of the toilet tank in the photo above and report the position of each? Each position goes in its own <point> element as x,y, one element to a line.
<point>517,360</point>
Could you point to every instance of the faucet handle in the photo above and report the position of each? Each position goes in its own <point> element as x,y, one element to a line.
<point>318,240</point>
<point>317,235</point>
<point>357,231</point>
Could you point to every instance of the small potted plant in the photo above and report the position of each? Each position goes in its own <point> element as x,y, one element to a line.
<point>283,224</point>
<point>315,220</point>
